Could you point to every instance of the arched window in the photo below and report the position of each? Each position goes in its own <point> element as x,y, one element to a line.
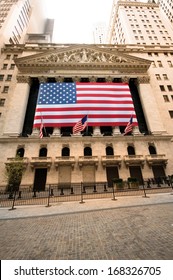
<point>152,150</point>
<point>131,150</point>
<point>109,151</point>
<point>87,151</point>
<point>20,152</point>
<point>43,152</point>
<point>65,152</point>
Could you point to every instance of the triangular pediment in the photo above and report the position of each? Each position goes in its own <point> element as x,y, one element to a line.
<point>84,56</point>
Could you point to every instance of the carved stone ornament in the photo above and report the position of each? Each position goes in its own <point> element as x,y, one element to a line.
<point>85,56</point>
<point>23,79</point>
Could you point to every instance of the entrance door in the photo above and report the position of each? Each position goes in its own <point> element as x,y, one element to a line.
<point>40,179</point>
<point>158,171</point>
<point>135,172</point>
<point>111,172</point>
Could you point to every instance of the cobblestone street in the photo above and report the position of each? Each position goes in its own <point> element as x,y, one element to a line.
<point>137,232</point>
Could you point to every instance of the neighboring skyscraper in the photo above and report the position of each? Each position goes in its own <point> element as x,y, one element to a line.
<point>139,22</point>
<point>14,20</point>
<point>99,33</point>
<point>167,8</point>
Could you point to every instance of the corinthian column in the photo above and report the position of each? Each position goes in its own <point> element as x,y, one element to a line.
<point>17,107</point>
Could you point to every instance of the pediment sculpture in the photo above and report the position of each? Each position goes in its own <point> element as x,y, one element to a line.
<point>81,56</point>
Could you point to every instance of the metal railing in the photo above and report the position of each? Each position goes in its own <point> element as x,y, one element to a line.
<point>80,192</point>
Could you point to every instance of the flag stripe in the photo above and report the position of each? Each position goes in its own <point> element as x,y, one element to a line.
<point>65,104</point>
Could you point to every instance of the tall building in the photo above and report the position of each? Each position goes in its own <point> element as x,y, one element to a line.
<point>99,33</point>
<point>138,75</point>
<point>14,20</point>
<point>139,22</point>
<point>167,8</point>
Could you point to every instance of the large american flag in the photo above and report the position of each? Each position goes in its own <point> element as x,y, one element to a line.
<point>64,104</point>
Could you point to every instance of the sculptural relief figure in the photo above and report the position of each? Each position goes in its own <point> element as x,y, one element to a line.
<point>84,56</point>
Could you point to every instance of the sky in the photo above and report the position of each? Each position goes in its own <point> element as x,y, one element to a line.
<point>75,19</point>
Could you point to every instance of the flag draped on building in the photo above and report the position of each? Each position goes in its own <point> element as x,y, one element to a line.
<point>80,125</point>
<point>129,126</point>
<point>64,104</point>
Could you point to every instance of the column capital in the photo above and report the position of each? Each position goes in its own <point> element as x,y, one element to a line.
<point>92,79</point>
<point>42,79</point>
<point>144,80</point>
<point>23,79</point>
<point>59,79</point>
<point>125,79</point>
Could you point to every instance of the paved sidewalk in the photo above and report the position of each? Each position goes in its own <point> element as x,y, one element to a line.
<point>88,205</point>
<point>129,228</point>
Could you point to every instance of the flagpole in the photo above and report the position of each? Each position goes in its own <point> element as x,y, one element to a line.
<point>45,132</point>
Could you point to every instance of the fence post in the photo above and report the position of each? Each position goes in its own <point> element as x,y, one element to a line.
<point>143,185</point>
<point>48,199</point>
<point>72,192</point>
<point>62,192</point>
<point>113,192</point>
<point>14,198</point>
<point>105,189</point>
<point>81,193</point>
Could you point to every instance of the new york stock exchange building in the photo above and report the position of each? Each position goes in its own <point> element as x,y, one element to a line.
<point>48,88</point>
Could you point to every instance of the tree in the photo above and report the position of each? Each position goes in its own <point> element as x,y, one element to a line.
<point>14,171</point>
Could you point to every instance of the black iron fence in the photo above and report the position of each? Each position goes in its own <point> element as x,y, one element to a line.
<point>80,192</point>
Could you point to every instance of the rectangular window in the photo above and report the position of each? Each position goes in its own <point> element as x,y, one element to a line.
<point>162,88</point>
<point>169,87</point>
<point>171,114</point>
<point>159,63</point>
<point>8,56</point>
<point>5,89</point>
<point>165,97</point>
<point>1,77</point>
<point>165,77</point>
<point>5,66</point>
<point>9,77</point>
<point>12,66</point>
<point>170,63</point>
<point>2,102</point>
<point>158,77</point>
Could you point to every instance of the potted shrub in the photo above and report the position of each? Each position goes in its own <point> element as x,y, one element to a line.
<point>118,183</point>
<point>133,183</point>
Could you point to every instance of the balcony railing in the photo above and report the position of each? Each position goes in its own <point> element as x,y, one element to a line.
<point>41,162</point>
<point>88,160</point>
<point>111,160</point>
<point>65,160</point>
<point>134,159</point>
<point>156,159</point>
<point>23,160</point>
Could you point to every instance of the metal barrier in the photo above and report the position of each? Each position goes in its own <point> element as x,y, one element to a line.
<point>80,192</point>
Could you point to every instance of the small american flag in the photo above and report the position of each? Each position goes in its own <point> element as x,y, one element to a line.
<point>80,125</point>
<point>129,126</point>
<point>41,130</point>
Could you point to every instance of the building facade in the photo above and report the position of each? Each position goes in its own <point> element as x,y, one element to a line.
<point>139,22</point>
<point>102,153</point>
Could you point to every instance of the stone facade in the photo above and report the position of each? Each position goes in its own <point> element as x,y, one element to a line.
<point>146,153</point>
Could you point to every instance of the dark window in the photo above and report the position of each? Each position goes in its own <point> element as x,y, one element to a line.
<point>65,152</point>
<point>152,150</point>
<point>43,152</point>
<point>20,152</point>
<point>87,151</point>
<point>109,151</point>
<point>131,150</point>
